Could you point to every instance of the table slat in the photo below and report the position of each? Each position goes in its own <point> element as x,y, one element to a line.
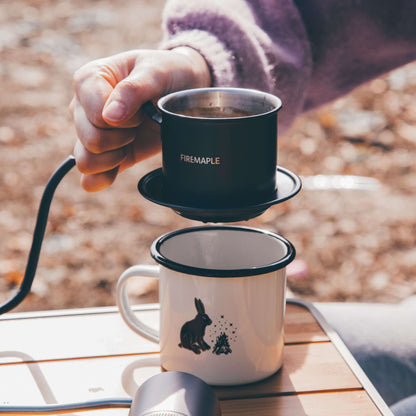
<point>319,404</point>
<point>74,336</point>
<point>103,378</point>
<point>306,368</point>
<point>88,379</point>
<point>301,326</point>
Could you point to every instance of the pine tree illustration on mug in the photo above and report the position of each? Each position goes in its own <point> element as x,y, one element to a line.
<point>222,346</point>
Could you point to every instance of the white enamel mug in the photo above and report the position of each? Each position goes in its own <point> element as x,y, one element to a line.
<point>222,302</point>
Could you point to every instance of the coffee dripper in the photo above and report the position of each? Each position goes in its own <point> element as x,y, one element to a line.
<point>219,148</point>
<point>219,155</point>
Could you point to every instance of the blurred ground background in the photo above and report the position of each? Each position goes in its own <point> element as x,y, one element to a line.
<point>357,245</point>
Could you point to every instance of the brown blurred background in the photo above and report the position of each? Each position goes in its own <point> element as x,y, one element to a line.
<point>358,245</point>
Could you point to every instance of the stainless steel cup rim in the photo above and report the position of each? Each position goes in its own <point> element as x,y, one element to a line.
<point>258,102</point>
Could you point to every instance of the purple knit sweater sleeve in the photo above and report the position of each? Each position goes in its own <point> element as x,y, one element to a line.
<point>307,52</point>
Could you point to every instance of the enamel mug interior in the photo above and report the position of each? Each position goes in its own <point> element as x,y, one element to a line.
<point>227,251</point>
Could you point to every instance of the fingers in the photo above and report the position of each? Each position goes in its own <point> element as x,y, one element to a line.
<point>94,84</point>
<point>106,113</point>
<point>98,140</point>
<point>100,170</point>
<point>92,90</point>
<point>144,83</point>
<point>90,163</point>
<point>112,133</point>
<point>152,74</point>
<point>99,181</point>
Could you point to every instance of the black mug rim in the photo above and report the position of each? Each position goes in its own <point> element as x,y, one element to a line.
<point>209,272</point>
<point>194,91</point>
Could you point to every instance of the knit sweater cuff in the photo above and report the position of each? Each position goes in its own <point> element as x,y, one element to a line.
<point>218,58</point>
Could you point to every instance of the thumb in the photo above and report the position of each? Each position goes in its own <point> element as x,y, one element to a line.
<point>127,97</point>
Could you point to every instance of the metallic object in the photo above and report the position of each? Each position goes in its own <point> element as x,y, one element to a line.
<point>175,393</point>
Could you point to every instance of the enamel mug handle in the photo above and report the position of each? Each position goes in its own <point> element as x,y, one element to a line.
<point>123,303</point>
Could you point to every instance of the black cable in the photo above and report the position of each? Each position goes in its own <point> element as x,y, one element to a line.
<point>38,234</point>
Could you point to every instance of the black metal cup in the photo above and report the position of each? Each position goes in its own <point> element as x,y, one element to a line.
<point>219,146</point>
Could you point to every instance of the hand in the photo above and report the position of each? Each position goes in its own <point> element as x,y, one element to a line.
<point>113,134</point>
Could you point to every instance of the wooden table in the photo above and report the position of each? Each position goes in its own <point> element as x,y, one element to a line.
<point>90,354</point>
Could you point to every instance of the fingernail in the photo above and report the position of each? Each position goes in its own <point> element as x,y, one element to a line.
<point>115,111</point>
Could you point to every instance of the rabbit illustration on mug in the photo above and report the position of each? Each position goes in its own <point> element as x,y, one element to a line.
<point>192,332</point>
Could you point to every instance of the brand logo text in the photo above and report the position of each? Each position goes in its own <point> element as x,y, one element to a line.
<point>200,160</point>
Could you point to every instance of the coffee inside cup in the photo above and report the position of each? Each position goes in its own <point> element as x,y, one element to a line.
<point>216,112</point>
